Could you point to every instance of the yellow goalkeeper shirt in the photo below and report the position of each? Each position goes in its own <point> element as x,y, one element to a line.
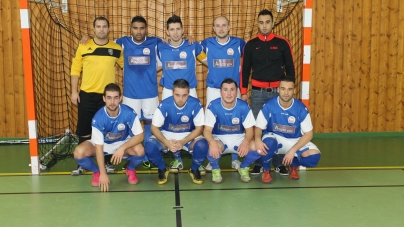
<point>98,65</point>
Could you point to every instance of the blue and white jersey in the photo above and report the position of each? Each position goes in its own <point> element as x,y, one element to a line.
<point>106,129</point>
<point>223,60</point>
<point>179,62</point>
<point>229,121</point>
<point>139,70</point>
<point>292,122</point>
<point>177,123</point>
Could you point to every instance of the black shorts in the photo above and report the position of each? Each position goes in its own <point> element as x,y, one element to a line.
<point>89,104</point>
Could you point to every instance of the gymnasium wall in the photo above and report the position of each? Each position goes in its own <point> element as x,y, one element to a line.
<point>356,58</point>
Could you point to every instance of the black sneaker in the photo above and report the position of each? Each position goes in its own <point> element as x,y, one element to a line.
<point>163,174</point>
<point>196,176</point>
<point>256,170</point>
<point>282,170</point>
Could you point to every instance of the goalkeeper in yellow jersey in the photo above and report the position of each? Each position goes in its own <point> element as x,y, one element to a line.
<point>95,62</point>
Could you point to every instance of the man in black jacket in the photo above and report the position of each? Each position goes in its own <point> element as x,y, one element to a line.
<point>268,57</point>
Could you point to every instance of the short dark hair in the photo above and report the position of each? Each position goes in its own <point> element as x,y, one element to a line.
<point>287,79</point>
<point>180,83</point>
<point>138,19</point>
<point>266,12</point>
<point>174,19</point>
<point>228,81</point>
<point>112,87</point>
<point>100,18</point>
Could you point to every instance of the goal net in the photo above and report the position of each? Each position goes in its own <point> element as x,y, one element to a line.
<point>57,26</point>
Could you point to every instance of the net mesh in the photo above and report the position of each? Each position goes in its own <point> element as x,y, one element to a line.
<point>57,26</point>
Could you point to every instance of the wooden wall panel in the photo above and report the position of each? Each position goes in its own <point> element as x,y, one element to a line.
<point>357,55</point>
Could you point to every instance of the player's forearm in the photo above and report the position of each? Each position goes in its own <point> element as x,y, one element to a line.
<point>207,133</point>
<point>99,155</point>
<point>159,136</point>
<point>74,80</point>
<point>257,134</point>
<point>249,134</point>
<point>302,141</point>
<point>195,133</point>
<point>133,141</point>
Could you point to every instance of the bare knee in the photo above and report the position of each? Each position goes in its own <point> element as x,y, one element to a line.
<point>83,150</point>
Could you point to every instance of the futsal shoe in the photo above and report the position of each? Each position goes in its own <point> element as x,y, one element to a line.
<point>78,170</point>
<point>256,170</point>
<point>196,176</point>
<point>176,166</point>
<point>132,179</point>
<point>163,174</point>
<point>96,179</point>
<point>294,175</point>
<point>244,174</point>
<point>235,164</point>
<point>208,167</point>
<point>109,167</point>
<point>282,170</point>
<point>216,176</point>
<point>266,177</point>
<point>202,170</point>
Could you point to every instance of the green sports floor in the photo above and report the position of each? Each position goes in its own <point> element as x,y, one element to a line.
<point>359,182</point>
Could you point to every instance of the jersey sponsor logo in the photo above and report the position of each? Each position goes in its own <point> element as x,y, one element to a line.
<point>257,48</point>
<point>180,127</point>
<point>176,65</point>
<point>273,47</point>
<point>284,128</point>
<point>223,63</point>
<point>235,121</point>
<point>113,136</point>
<point>230,51</point>
<point>121,127</point>
<point>227,128</point>
<point>291,120</point>
<point>146,51</point>
<point>184,119</point>
<point>110,51</point>
<point>183,54</point>
<point>139,60</point>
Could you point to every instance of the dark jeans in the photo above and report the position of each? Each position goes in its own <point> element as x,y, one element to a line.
<point>258,99</point>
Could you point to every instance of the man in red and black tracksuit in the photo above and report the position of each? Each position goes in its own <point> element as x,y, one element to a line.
<point>268,58</point>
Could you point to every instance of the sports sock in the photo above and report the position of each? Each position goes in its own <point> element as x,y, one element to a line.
<point>199,154</point>
<point>134,161</point>
<point>250,158</point>
<point>87,163</point>
<point>153,151</point>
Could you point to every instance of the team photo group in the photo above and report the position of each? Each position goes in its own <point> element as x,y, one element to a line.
<point>256,127</point>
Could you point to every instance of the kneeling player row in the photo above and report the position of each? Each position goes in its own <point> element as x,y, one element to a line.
<point>283,126</point>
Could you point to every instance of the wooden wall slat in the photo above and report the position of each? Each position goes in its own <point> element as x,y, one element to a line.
<point>8,68</point>
<point>399,93</point>
<point>355,82</point>
<point>338,65</point>
<point>364,66</point>
<point>374,65</point>
<point>346,111</point>
<point>3,55</point>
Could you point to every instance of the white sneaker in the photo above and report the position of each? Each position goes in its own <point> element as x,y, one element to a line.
<point>109,168</point>
<point>235,164</point>
<point>208,167</point>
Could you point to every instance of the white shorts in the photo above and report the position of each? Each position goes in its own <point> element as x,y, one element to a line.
<point>186,146</point>
<point>167,93</point>
<point>230,142</point>
<point>143,107</point>
<point>214,93</point>
<point>110,148</point>
<point>288,143</point>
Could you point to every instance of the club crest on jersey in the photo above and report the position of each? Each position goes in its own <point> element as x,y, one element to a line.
<point>184,119</point>
<point>121,127</point>
<point>291,120</point>
<point>235,121</point>
<point>183,54</point>
<point>146,51</point>
<point>110,51</point>
<point>230,51</point>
